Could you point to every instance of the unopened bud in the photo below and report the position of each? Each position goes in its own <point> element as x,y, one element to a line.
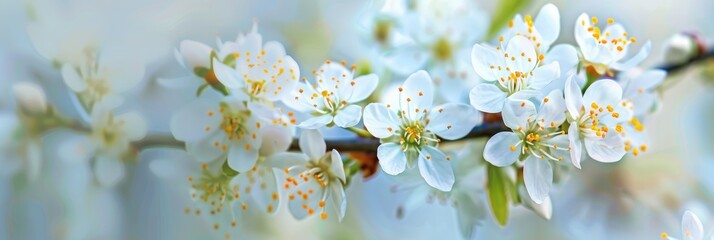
<point>680,48</point>
<point>30,97</point>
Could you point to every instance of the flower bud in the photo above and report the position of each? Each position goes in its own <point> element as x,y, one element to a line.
<point>679,48</point>
<point>30,97</point>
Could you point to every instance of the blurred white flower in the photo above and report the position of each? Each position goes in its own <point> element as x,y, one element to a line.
<point>536,139</point>
<point>435,36</point>
<point>229,128</point>
<point>592,118</point>
<point>30,97</point>
<point>20,148</point>
<point>108,143</point>
<point>511,73</point>
<point>100,75</point>
<point>639,87</point>
<point>465,196</point>
<point>315,180</point>
<point>605,50</point>
<point>692,228</point>
<point>332,100</point>
<point>409,131</point>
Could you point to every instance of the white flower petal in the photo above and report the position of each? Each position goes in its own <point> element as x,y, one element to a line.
<point>242,156</point>
<point>602,92</point>
<point>339,200</point>
<point>648,80</point>
<point>608,149</point>
<point>252,42</point>
<point>498,149</point>
<point>296,206</point>
<point>435,169</point>
<point>76,148</point>
<point>380,121</point>
<point>391,158</point>
<point>692,227</point>
<point>469,210</point>
<point>543,75</point>
<point>487,97</point>
<point>417,94</point>
<point>72,78</point>
<point>566,55</point>
<point>348,116</point>
<point>548,23</point>
<point>538,176</point>
<point>190,122</point>
<point>363,88</point>
<point>336,166</point>
<point>552,112</point>
<point>406,59</point>
<point>482,58</point>
<point>312,144</point>
<point>204,149</point>
<point>576,145</point>
<point>581,29</point>
<point>133,125</point>
<point>545,210</point>
<point>315,122</point>
<point>227,75</point>
<point>301,98</point>
<point>108,170</point>
<point>573,97</point>
<point>273,51</point>
<point>520,49</point>
<point>517,113</point>
<point>195,53</point>
<point>276,138</point>
<point>453,120</point>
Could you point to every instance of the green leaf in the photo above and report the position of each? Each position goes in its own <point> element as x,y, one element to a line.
<point>200,89</point>
<point>505,13</point>
<point>201,71</point>
<point>498,194</point>
<point>229,60</point>
<point>227,170</point>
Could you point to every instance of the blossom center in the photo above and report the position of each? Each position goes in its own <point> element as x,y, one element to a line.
<point>590,123</point>
<point>607,39</point>
<point>534,141</point>
<point>442,49</point>
<point>382,31</point>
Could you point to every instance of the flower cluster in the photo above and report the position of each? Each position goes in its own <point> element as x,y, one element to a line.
<point>260,135</point>
<point>559,103</point>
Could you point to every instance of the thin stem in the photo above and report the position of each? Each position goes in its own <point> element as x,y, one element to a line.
<point>360,132</point>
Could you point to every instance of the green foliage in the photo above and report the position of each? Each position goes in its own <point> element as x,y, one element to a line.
<point>503,14</point>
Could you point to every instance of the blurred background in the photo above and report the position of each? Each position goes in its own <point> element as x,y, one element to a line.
<point>637,198</point>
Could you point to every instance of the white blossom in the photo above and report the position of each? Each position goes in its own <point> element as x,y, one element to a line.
<point>332,100</point>
<point>536,140</point>
<point>409,131</point>
<point>513,72</point>
<point>595,119</point>
<point>316,178</point>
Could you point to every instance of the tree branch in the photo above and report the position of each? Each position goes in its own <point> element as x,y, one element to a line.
<point>369,145</point>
